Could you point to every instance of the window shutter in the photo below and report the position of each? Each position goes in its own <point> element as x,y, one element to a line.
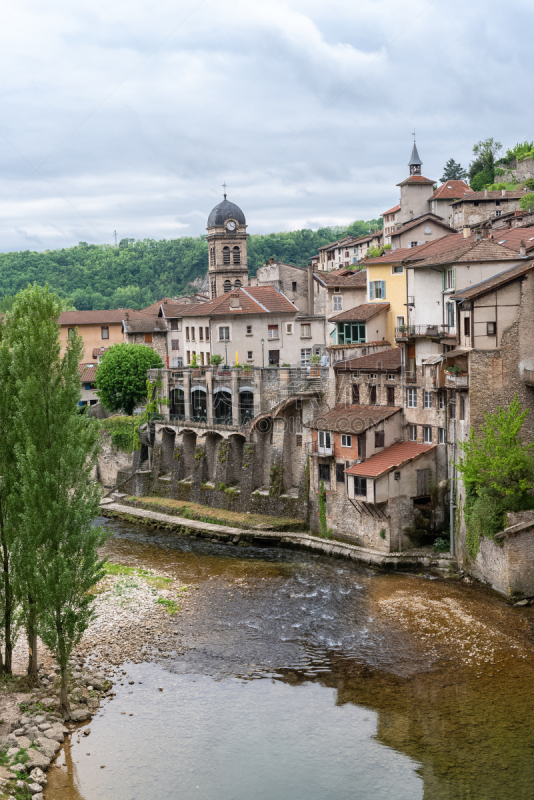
<point>371,290</point>
<point>383,289</point>
<point>443,281</point>
<point>175,344</point>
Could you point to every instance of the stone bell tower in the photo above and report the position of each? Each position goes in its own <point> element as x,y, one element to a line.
<point>227,244</point>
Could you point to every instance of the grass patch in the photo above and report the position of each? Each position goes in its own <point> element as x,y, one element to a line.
<point>217,516</point>
<point>170,605</point>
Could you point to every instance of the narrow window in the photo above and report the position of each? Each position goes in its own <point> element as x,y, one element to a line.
<point>412,433</point>
<point>390,395</point>
<point>202,359</point>
<point>294,286</point>
<point>379,438</point>
<point>360,486</point>
<point>305,355</point>
<point>462,407</point>
<point>207,334</point>
<point>249,330</point>
<point>340,473</point>
<point>187,333</point>
<point>201,334</point>
<point>105,332</point>
<point>237,257</point>
<point>441,435</point>
<point>441,401</point>
<point>249,355</point>
<point>411,397</point>
<point>346,440</point>
<point>467,326</point>
<point>227,286</point>
<point>372,395</point>
<point>192,334</point>
<point>289,328</point>
<point>427,434</point>
<point>226,255</point>
<point>491,328</point>
<point>428,399</point>
<point>355,394</point>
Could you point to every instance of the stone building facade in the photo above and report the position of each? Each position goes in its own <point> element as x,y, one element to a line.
<point>479,206</point>
<point>227,248</point>
<point>151,331</point>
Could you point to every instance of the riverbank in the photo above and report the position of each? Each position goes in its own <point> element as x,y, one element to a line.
<point>415,558</point>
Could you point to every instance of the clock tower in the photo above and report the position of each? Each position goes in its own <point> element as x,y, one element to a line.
<point>227,244</point>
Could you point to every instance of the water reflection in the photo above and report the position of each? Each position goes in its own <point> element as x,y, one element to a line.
<point>304,677</point>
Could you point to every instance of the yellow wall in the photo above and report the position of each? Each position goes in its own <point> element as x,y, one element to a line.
<point>92,338</point>
<point>395,294</point>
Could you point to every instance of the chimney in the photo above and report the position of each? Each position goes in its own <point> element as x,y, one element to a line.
<point>485,192</point>
<point>478,235</point>
<point>466,232</point>
<point>523,249</point>
<point>311,311</point>
<point>271,261</point>
<point>234,301</point>
<point>504,192</point>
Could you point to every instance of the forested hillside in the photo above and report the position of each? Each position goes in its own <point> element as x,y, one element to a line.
<point>136,273</point>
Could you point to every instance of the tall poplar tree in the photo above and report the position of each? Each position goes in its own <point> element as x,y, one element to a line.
<point>56,548</point>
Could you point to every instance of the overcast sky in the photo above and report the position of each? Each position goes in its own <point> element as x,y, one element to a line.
<point>129,114</point>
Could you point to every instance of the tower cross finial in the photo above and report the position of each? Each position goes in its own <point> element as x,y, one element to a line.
<point>224,187</point>
<point>413,134</point>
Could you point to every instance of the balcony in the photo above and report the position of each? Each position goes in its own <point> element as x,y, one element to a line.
<point>313,449</point>
<point>459,381</point>
<point>432,331</point>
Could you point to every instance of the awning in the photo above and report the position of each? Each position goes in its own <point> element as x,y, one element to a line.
<point>460,351</point>
<point>434,359</point>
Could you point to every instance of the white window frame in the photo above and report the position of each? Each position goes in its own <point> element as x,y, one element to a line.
<point>427,399</point>
<point>397,269</point>
<point>305,355</point>
<point>305,326</point>
<point>346,440</point>
<point>249,330</point>
<point>224,338</point>
<point>325,442</point>
<point>411,398</point>
<point>289,328</point>
<point>449,280</point>
<point>441,403</point>
<point>412,433</point>
<point>390,376</point>
<point>427,434</point>
<point>337,303</point>
<point>273,333</point>
<point>441,436</point>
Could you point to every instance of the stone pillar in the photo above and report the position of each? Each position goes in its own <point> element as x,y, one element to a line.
<point>236,373</point>
<point>221,462</point>
<point>276,483</point>
<point>249,478</point>
<point>258,390</point>
<point>187,393</point>
<point>209,395</point>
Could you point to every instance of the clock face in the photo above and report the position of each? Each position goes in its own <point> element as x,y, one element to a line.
<point>230,226</point>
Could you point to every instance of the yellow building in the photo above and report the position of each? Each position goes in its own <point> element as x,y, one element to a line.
<point>98,329</point>
<point>386,282</point>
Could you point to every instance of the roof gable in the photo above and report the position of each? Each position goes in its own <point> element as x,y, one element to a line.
<point>360,313</point>
<point>392,457</point>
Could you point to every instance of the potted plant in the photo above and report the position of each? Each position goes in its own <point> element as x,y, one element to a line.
<point>314,366</point>
<point>453,369</point>
<point>215,360</point>
<point>194,366</point>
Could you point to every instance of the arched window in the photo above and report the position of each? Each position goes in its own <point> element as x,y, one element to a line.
<point>226,255</point>
<point>213,290</point>
<point>212,256</point>
<point>237,284</point>
<point>237,255</point>
<point>227,286</point>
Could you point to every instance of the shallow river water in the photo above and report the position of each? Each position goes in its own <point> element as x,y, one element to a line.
<point>297,677</point>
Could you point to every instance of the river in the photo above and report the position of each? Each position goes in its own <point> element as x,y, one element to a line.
<point>297,677</point>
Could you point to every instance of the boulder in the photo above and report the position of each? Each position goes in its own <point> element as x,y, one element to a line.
<point>37,759</point>
<point>35,788</point>
<point>44,726</point>
<point>37,776</point>
<point>80,715</point>
<point>5,774</point>
<point>55,733</point>
<point>47,746</point>
<point>23,742</point>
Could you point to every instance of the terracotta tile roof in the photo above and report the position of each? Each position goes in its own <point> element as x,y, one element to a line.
<point>352,419</point>
<point>87,372</point>
<point>342,277</point>
<point>392,210</point>
<point>512,237</point>
<point>494,282</point>
<point>416,179</point>
<point>392,457</point>
<point>108,317</point>
<point>434,218</point>
<point>478,197</point>
<point>154,307</point>
<point>483,250</point>
<point>99,351</point>
<point>360,313</point>
<point>390,255</point>
<point>385,361</point>
<point>171,310</point>
<point>452,190</point>
<point>148,325</point>
<point>346,241</point>
<point>252,300</point>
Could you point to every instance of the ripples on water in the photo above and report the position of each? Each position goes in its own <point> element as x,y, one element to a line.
<point>296,683</point>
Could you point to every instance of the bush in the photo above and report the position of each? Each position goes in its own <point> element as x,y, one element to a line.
<point>441,545</point>
<point>527,201</point>
<point>215,360</point>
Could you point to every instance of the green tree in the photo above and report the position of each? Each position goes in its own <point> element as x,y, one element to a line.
<point>527,201</point>
<point>498,473</point>
<point>453,171</point>
<point>121,376</point>
<point>362,228</point>
<point>55,552</point>
<point>484,162</point>
<point>519,152</point>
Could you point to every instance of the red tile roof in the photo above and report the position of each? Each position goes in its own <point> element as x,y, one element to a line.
<point>87,372</point>
<point>106,317</point>
<point>416,179</point>
<point>392,210</point>
<point>99,351</point>
<point>171,310</point>
<point>392,457</point>
<point>497,194</point>
<point>452,190</point>
<point>384,361</point>
<point>434,218</point>
<point>512,237</point>
<point>342,277</point>
<point>483,250</point>
<point>360,313</point>
<point>352,419</point>
<point>252,300</point>
<point>494,282</point>
<point>153,308</point>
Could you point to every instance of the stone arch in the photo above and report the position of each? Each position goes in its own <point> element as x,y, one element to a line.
<point>246,404</point>
<point>199,408</point>
<point>237,284</point>
<point>177,409</point>
<point>168,438</point>
<point>227,286</point>
<point>222,405</point>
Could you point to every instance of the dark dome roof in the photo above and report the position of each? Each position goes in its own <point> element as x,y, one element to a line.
<point>226,210</point>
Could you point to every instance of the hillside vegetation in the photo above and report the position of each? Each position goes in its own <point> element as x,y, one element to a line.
<point>136,273</point>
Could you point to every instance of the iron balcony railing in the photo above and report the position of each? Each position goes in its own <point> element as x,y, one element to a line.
<point>408,331</point>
